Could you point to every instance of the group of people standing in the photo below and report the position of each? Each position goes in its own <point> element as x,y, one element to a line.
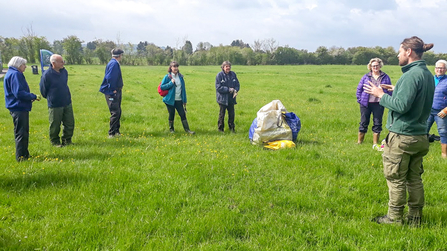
<point>227,88</point>
<point>54,87</point>
<point>414,104</point>
<point>370,104</point>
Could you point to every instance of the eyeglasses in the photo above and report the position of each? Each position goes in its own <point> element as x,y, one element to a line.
<point>376,65</point>
<point>440,68</point>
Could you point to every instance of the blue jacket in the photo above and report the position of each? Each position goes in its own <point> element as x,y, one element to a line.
<point>54,87</point>
<point>440,97</point>
<point>166,84</point>
<point>223,84</point>
<point>113,80</point>
<point>362,96</point>
<point>17,92</point>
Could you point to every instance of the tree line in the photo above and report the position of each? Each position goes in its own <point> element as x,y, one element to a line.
<point>261,52</point>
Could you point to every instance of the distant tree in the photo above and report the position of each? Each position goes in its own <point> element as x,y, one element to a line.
<point>141,48</point>
<point>239,43</point>
<point>323,56</point>
<point>9,48</point>
<point>339,56</point>
<point>257,45</point>
<point>58,48</point>
<point>73,47</point>
<point>103,49</point>
<point>155,55</point>
<point>92,45</point>
<point>286,55</point>
<point>187,48</point>
<point>203,46</point>
<point>249,56</point>
<point>363,55</point>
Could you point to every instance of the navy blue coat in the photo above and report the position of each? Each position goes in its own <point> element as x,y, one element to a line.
<point>223,84</point>
<point>17,92</point>
<point>54,87</point>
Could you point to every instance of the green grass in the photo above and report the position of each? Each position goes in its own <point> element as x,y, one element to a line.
<point>150,190</point>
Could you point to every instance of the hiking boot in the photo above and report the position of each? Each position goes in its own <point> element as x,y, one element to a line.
<point>171,126</point>
<point>386,220</point>
<point>186,127</point>
<point>414,221</point>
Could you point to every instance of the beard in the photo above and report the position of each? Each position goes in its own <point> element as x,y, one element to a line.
<point>403,61</point>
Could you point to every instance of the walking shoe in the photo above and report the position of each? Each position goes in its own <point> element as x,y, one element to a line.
<point>414,221</point>
<point>386,220</point>
<point>378,148</point>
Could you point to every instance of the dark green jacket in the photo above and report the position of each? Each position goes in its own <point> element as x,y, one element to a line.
<point>412,100</point>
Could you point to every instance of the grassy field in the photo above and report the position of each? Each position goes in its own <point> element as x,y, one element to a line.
<point>152,190</point>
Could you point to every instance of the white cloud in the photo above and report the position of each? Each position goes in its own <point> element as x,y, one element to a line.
<point>303,24</point>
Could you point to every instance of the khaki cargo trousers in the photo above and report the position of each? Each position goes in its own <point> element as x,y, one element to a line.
<point>402,166</point>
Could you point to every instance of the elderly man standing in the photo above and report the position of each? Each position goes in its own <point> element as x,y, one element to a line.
<point>112,86</point>
<point>439,108</point>
<point>54,87</point>
<point>407,142</point>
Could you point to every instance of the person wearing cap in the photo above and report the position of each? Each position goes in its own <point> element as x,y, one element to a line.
<point>111,87</point>
<point>18,100</point>
<point>54,87</point>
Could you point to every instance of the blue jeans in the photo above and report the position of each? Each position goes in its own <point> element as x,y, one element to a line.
<point>440,122</point>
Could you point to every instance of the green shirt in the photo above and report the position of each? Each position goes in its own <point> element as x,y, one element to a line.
<point>412,99</point>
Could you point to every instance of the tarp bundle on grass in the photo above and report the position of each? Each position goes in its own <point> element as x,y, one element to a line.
<point>274,123</point>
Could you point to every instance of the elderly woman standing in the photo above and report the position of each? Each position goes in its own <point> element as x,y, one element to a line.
<point>176,98</point>
<point>370,104</point>
<point>438,112</point>
<point>18,100</point>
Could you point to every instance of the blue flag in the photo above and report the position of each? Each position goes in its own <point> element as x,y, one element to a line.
<point>45,59</point>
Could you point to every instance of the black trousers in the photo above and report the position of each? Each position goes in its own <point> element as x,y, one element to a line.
<point>365,115</point>
<point>21,134</point>
<point>221,122</point>
<point>178,105</point>
<point>114,104</point>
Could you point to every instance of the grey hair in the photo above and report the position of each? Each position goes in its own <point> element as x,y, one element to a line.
<point>442,61</point>
<point>225,63</point>
<point>53,57</point>
<point>16,62</point>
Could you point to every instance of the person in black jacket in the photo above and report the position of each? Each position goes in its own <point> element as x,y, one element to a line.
<point>54,87</point>
<point>227,88</point>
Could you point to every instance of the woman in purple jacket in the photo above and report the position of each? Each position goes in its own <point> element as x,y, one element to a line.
<point>370,104</point>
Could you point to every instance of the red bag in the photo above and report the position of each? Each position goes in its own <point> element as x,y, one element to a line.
<point>163,93</point>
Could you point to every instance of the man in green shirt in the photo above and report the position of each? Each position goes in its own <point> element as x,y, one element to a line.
<point>407,141</point>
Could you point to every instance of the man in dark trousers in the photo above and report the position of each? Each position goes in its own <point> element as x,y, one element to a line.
<point>407,142</point>
<point>112,87</point>
<point>54,87</point>
<point>227,88</point>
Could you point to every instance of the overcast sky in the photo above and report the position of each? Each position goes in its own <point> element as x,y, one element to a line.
<point>302,24</point>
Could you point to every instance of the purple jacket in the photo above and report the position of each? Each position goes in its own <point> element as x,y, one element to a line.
<point>363,97</point>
